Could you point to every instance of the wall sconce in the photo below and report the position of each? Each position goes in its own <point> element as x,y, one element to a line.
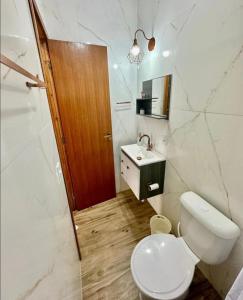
<point>136,54</point>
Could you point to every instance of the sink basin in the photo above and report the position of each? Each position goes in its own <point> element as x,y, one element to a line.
<point>140,155</point>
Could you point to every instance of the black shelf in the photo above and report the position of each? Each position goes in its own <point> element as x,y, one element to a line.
<point>145,104</point>
<point>158,117</point>
<point>142,99</point>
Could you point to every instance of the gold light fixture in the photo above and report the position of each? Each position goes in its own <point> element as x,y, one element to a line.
<point>136,54</point>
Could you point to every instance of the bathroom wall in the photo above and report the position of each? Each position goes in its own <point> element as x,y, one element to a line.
<point>109,23</point>
<point>39,257</point>
<point>201,44</point>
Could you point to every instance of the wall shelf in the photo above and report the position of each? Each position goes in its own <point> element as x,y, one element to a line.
<point>153,116</point>
<point>146,105</point>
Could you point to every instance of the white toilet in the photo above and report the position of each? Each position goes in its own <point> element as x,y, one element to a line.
<point>163,265</point>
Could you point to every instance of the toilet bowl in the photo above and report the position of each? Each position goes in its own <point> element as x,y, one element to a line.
<point>163,265</point>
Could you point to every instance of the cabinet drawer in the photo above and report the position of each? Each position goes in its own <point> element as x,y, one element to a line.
<point>131,168</point>
<point>123,171</point>
<point>130,173</point>
<point>123,166</point>
<point>133,177</point>
<point>123,159</point>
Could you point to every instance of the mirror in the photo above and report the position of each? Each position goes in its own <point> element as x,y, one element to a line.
<point>155,101</point>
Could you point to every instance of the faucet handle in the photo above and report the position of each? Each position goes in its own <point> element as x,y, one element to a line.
<point>150,147</point>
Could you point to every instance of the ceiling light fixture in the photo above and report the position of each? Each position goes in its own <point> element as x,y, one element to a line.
<point>136,54</point>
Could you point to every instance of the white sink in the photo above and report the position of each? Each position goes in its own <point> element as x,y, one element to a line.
<point>141,156</point>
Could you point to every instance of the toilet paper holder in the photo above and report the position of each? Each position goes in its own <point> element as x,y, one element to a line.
<point>153,186</point>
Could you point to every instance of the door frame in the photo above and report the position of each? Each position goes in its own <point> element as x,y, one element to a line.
<point>42,44</point>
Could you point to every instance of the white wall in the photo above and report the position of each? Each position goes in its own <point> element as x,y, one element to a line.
<point>38,252</point>
<point>203,140</point>
<point>109,23</point>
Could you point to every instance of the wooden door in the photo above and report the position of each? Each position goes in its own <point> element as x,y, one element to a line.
<point>82,86</point>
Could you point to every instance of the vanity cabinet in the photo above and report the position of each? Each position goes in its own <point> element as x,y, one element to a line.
<point>139,178</point>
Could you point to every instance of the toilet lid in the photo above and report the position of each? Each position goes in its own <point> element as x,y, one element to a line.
<point>160,265</point>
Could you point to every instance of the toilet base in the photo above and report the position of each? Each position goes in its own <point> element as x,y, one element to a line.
<point>145,297</point>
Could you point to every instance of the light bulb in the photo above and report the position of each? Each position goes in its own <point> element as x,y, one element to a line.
<point>135,50</point>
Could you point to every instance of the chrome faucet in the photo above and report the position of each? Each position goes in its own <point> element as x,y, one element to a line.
<point>149,146</point>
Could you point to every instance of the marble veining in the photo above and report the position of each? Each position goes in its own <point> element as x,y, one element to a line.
<point>184,90</point>
<point>31,290</point>
<point>186,20</point>
<point>103,42</point>
<point>16,60</point>
<point>129,30</point>
<point>219,166</point>
<point>224,77</point>
<point>39,257</point>
<point>203,141</point>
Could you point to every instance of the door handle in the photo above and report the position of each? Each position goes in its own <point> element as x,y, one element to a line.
<point>108,136</point>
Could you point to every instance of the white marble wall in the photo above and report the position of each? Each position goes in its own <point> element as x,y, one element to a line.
<point>38,252</point>
<point>110,23</point>
<point>203,140</point>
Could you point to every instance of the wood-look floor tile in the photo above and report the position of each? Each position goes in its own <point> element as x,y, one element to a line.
<point>108,233</point>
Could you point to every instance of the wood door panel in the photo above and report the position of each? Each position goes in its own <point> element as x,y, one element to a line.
<point>82,86</point>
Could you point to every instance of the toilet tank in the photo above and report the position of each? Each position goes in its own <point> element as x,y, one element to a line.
<point>207,232</point>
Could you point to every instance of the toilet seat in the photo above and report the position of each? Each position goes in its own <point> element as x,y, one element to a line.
<point>162,267</point>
